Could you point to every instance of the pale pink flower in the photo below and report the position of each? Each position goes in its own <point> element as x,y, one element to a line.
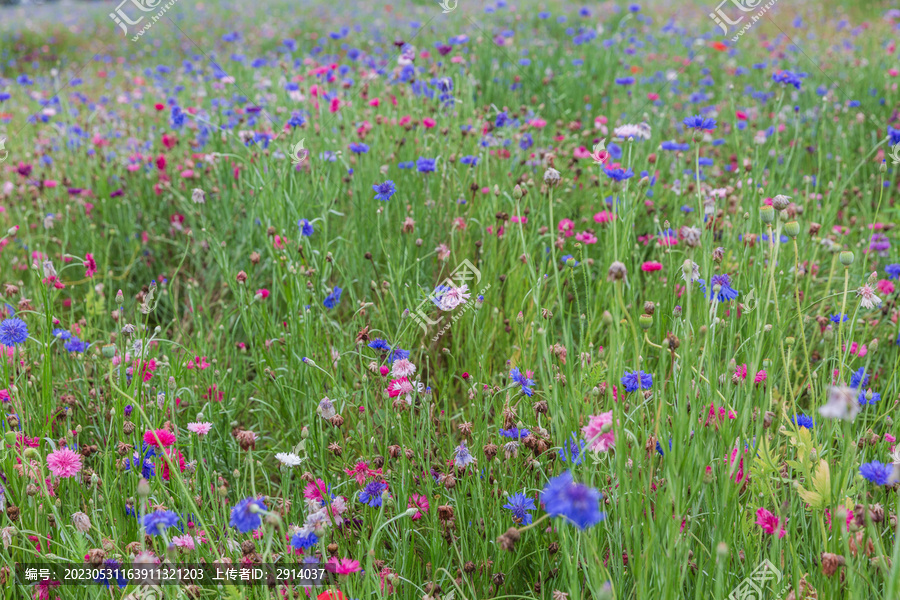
<point>200,429</point>
<point>402,368</point>
<point>454,297</point>
<point>443,252</point>
<point>868,299</point>
<point>598,432</point>
<point>184,541</point>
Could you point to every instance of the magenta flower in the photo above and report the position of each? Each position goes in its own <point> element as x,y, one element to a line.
<point>64,463</point>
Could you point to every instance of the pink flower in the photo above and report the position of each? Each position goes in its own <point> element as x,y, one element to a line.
<point>581,152</point>
<point>586,237</point>
<point>600,154</point>
<point>598,432</point>
<point>90,265</point>
<point>769,522</point>
<point>604,216</point>
<point>428,122</point>
<point>159,438</point>
<point>399,386</point>
<point>344,566</point>
<point>566,227</point>
<point>64,462</point>
<point>262,293</point>
<point>418,501</point>
<point>315,491</point>
<point>885,287</point>
<point>741,372</point>
<point>184,541</point>
<point>760,377</point>
<point>200,429</point>
<point>651,265</point>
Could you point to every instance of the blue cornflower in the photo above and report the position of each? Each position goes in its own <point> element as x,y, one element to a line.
<point>789,78</point>
<point>637,380</point>
<point>893,270</point>
<point>726,292</point>
<point>177,118</point>
<point>13,331</point>
<point>894,134</point>
<point>425,165</point>
<point>306,228</point>
<point>371,494</point>
<point>333,298</point>
<point>438,294</point>
<point>398,354</point>
<point>358,148</point>
<point>675,146</point>
<point>838,318</point>
<point>379,344</point>
<point>566,258</point>
<point>625,80</point>
<point>576,502</point>
<point>515,433</point>
<point>520,504</point>
<point>698,122</point>
<point>573,450</point>
<point>384,191</point>
<point>462,458</point>
<point>876,472</point>
<point>802,420</point>
<point>469,160</point>
<point>76,345</point>
<point>618,174</point>
<point>303,539</point>
<point>502,119</point>
<point>110,567</point>
<point>859,379</point>
<point>865,398</point>
<point>524,380</point>
<point>406,165</point>
<point>61,334</point>
<point>142,460</point>
<point>245,514</point>
<point>157,522</point>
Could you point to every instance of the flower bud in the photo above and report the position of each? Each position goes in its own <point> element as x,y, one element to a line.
<point>767,214</point>
<point>846,258</point>
<point>792,228</point>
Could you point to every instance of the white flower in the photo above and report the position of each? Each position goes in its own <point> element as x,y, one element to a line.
<point>198,196</point>
<point>638,132</point>
<point>288,459</point>
<point>842,404</point>
<point>402,368</point>
<point>454,297</point>
<point>326,408</point>
<point>868,297</point>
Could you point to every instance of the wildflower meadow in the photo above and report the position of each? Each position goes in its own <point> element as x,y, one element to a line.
<point>449,300</point>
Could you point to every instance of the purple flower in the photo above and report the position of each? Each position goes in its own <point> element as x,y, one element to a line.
<point>876,472</point>
<point>698,122</point>
<point>245,516</point>
<point>371,494</point>
<point>576,502</point>
<point>637,380</point>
